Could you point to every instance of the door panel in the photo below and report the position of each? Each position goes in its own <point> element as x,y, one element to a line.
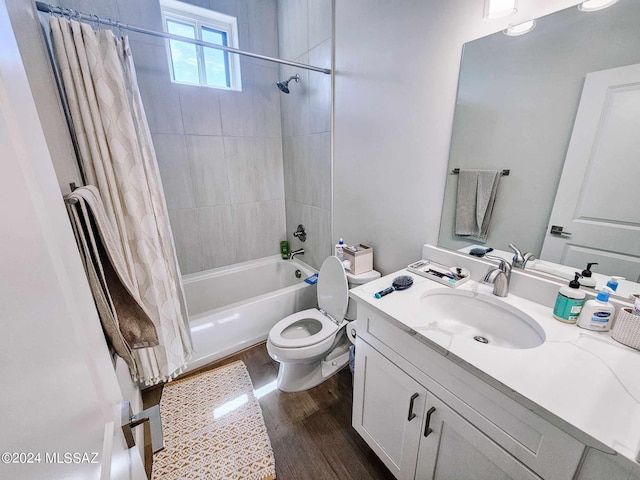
<point>382,412</point>
<point>598,195</point>
<point>59,386</point>
<point>455,450</point>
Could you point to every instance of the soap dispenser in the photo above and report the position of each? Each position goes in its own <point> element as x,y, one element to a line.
<point>569,302</point>
<point>597,314</point>
<point>613,283</point>
<point>587,280</point>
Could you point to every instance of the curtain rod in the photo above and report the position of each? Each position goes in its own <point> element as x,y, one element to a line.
<point>52,9</point>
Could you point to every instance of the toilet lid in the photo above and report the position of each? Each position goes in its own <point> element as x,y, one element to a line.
<point>333,292</point>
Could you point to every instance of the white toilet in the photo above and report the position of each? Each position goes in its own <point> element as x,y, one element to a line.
<point>312,345</point>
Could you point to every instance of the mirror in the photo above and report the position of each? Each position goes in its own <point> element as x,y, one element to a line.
<point>518,100</point>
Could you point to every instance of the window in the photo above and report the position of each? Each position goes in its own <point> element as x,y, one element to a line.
<point>195,64</point>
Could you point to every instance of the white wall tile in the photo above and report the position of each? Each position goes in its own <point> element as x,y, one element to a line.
<point>263,27</point>
<point>236,108</point>
<point>259,228</point>
<point>295,105</point>
<point>255,169</point>
<point>320,21</point>
<point>266,101</point>
<point>184,225</point>
<point>319,170</point>
<point>171,152</point>
<point>317,223</point>
<point>160,96</point>
<point>141,13</point>
<point>293,28</point>
<point>320,90</point>
<point>200,110</point>
<point>208,170</point>
<point>216,234</point>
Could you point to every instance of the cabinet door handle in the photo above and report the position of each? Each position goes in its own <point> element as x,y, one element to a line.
<point>412,415</point>
<point>427,429</point>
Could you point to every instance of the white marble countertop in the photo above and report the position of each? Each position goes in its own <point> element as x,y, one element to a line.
<point>585,378</point>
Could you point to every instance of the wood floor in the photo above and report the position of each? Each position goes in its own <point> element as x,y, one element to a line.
<point>311,432</point>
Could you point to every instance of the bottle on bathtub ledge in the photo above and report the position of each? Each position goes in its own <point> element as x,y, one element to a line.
<point>284,249</point>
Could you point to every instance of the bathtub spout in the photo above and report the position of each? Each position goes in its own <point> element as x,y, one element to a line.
<point>299,251</point>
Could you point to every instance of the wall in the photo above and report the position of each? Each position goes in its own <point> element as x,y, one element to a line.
<point>305,28</point>
<point>397,69</point>
<point>517,100</point>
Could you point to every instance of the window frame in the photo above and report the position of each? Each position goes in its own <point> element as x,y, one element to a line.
<point>199,17</point>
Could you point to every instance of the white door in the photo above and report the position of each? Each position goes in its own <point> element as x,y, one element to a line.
<point>598,198</point>
<point>58,408</point>
<point>388,407</point>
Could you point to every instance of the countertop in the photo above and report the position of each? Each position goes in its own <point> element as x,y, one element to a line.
<point>585,378</point>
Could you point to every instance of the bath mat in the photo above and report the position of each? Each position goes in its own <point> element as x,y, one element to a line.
<point>213,429</point>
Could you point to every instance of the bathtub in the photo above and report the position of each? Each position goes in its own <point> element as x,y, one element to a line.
<point>234,307</point>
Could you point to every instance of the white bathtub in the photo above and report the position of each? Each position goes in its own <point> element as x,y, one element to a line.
<point>234,307</point>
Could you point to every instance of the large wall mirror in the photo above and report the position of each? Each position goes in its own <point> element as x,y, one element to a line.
<point>559,107</point>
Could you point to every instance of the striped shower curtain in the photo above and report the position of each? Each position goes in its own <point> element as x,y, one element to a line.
<point>117,156</point>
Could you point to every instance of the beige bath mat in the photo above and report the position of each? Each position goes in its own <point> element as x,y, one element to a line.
<point>213,429</point>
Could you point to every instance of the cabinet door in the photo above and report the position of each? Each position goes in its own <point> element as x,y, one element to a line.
<point>388,408</point>
<point>453,449</point>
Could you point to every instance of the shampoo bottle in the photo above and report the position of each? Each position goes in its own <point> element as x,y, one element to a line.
<point>569,302</point>
<point>596,314</point>
<point>587,280</point>
<point>339,250</point>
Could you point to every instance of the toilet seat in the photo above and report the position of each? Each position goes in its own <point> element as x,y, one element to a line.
<point>327,329</point>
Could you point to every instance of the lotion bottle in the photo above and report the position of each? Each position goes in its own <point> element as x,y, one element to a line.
<point>597,314</point>
<point>569,302</point>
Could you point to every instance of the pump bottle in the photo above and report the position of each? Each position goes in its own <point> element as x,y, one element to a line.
<point>587,280</point>
<point>596,314</point>
<point>569,302</point>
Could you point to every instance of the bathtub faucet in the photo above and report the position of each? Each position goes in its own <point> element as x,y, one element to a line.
<point>299,251</point>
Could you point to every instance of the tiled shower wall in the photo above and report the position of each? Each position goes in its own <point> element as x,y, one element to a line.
<point>306,28</point>
<point>221,152</point>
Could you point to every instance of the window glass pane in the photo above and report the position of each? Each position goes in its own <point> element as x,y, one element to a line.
<point>184,56</point>
<point>216,62</point>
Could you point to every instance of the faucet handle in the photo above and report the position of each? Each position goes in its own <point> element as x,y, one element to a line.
<point>503,265</point>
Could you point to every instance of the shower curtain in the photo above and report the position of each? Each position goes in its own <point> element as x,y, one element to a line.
<point>117,156</point>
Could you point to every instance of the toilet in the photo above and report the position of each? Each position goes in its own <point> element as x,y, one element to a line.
<point>312,345</point>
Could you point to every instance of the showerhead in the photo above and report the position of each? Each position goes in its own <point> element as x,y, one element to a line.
<point>284,85</point>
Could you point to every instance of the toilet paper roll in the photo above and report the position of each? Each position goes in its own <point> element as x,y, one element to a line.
<point>351,331</point>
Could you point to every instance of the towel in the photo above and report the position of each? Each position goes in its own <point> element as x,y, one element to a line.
<point>475,201</point>
<point>123,318</point>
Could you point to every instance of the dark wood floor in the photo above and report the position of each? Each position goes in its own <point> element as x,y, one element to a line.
<point>310,431</point>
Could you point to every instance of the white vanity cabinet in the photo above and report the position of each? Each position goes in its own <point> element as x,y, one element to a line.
<point>477,432</point>
<point>415,433</point>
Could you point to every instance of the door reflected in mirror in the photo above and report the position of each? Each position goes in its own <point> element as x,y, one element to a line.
<point>555,108</point>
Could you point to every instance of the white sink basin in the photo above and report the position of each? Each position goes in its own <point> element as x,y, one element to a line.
<point>481,317</point>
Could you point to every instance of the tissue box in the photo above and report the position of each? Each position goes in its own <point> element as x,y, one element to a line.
<point>360,256</point>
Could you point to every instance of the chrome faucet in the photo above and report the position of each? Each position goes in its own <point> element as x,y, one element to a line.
<point>520,260</point>
<point>292,254</point>
<point>499,276</point>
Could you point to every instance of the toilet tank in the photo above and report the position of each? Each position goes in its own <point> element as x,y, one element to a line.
<point>355,281</point>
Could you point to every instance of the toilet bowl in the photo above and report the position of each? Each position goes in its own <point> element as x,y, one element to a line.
<point>312,345</point>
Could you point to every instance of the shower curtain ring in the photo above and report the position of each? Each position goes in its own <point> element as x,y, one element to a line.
<point>97,22</point>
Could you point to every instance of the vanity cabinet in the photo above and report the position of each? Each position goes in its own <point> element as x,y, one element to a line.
<point>404,389</point>
<point>415,433</point>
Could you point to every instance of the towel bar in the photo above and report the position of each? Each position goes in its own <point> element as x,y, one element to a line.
<point>503,173</point>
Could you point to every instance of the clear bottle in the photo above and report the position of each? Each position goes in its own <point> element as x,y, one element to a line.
<point>596,314</point>
<point>339,250</point>
<point>569,302</point>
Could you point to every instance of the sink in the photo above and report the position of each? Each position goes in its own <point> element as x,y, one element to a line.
<point>480,317</point>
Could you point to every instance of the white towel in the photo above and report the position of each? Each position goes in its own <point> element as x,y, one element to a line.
<point>474,205</point>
